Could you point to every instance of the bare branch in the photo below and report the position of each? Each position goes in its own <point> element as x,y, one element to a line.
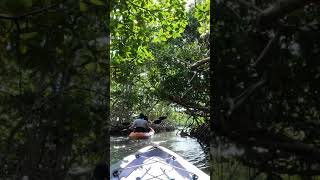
<point>250,5</point>
<point>199,63</point>
<point>181,102</point>
<point>266,49</point>
<point>280,9</point>
<point>278,141</point>
<point>6,16</point>
<point>189,83</point>
<point>234,103</point>
<point>233,11</point>
<point>31,13</point>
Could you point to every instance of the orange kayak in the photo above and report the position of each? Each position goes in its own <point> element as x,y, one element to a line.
<point>141,135</point>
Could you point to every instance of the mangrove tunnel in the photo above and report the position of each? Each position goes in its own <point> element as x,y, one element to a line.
<point>230,86</point>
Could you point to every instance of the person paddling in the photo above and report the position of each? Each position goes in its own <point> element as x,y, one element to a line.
<point>141,124</point>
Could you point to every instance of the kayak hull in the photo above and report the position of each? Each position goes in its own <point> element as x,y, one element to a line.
<point>141,135</point>
<point>155,162</point>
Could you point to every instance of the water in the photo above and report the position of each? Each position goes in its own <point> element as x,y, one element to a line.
<point>186,147</point>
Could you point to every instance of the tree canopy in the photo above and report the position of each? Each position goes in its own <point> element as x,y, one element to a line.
<point>264,79</point>
<point>54,90</point>
<point>153,47</point>
<point>265,83</point>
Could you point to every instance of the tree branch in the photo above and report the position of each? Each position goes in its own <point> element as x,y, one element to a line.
<point>74,87</point>
<point>233,11</point>
<point>179,101</point>
<point>199,63</point>
<point>280,9</point>
<point>282,170</point>
<point>31,13</point>
<point>250,5</point>
<point>273,140</point>
<point>234,103</point>
<point>266,49</point>
<point>194,74</point>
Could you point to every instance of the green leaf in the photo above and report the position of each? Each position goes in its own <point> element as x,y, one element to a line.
<point>91,67</point>
<point>181,30</point>
<point>184,23</point>
<point>175,35</point>
<point>156,39</point>
<point>26,36</point>
<point>163,39</point>
<point>83,6</point>
<point>161,31</point>
<point>23,49</point>
<point>97,2</point>
<point>17,5</point>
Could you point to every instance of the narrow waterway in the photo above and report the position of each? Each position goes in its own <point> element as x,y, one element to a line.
<point>186,147</point>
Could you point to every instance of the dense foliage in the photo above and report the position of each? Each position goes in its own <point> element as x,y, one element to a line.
<point>266,84</point>
<point>54,73</point>
<point>154,45</point>
<point>54,86</point>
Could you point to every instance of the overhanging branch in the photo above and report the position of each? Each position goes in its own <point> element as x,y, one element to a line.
<point>250,5</point>
<point>273,140</point>
<point>187,105</point>
<point>266,49</point>
<point>280,9</point>
<point>199,63</point>
<point>234,103</point>
<point>31,13</point>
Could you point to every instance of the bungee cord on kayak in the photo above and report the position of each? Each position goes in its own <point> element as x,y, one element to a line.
<point>155,162</point>
<point>159,161</point>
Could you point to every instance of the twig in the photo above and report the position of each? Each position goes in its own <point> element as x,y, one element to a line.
<point>237,101</point>
<point>31,13</point>
<point>279,9</point>
<point>250,5</point>
<point>266,49</point>
<point>194,74</point>
<point>199,63</point>
<point>234,12</point>
<point>17,48</point>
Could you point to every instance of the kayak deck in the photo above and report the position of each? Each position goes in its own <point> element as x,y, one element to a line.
<point>155,162</point>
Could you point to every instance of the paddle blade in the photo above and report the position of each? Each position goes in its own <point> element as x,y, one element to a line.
<point>162,117</point>
<point>158,121</point>
<point>125,123</point>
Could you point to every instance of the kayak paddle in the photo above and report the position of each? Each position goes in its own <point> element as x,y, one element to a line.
<point>126,123</point>
<point>159,120</point>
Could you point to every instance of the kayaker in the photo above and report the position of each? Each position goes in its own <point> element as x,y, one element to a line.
<point>146,118</point>
<point>141,124</point>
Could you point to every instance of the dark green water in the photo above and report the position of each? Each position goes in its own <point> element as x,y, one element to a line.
<point>186,147</point>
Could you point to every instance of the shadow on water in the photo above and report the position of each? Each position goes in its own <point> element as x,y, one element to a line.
<point>186,147</point>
